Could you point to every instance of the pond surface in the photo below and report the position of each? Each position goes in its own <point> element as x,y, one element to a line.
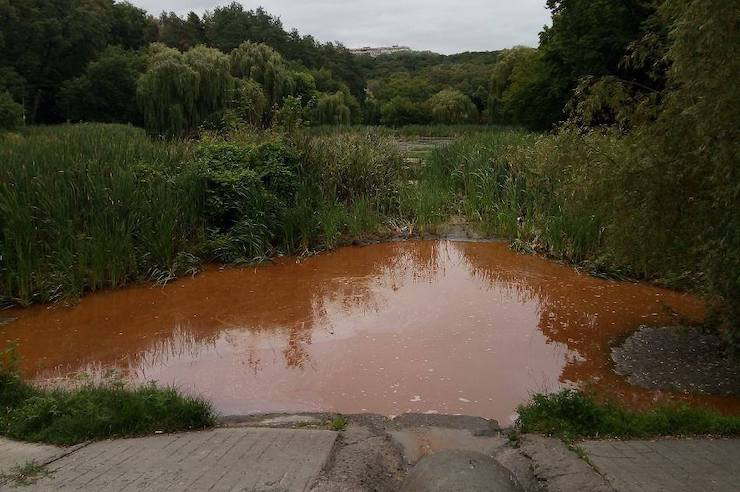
<point>421,326</point>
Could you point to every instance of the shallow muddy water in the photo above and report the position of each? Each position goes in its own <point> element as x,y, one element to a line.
<point>424,326</point>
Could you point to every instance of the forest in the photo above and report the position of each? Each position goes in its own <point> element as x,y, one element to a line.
<point>612,144</point>
<point>86,60</point>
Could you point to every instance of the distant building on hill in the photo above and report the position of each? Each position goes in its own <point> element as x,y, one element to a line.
<point>383,50</point>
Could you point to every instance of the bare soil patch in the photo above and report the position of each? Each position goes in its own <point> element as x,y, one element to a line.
<point>678,358</point>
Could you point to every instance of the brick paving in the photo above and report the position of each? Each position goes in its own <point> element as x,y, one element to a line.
<point>222,459</point>
<point>668,465</point>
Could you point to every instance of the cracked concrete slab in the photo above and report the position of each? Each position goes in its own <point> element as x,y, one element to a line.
<point>221,459</point>
<point>558,468</point>
<point>456,469</point>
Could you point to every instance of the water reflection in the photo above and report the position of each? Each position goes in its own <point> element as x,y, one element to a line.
<point>417,326</point>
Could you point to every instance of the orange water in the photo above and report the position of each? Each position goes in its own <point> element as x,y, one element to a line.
<point>423,326</point>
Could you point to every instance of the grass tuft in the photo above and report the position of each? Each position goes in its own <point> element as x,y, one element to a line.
<point>94,411</point>
<point>573,414</point>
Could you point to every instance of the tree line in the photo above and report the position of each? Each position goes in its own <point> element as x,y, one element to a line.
<point>82,59</point>
<point>87,60</point>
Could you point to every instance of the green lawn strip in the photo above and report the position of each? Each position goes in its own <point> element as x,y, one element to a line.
<point>93,411</point>
<point>574,415</point>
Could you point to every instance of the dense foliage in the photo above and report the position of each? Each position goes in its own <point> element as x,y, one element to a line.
<point>84,207</point>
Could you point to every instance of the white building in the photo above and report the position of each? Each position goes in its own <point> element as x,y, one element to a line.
<point>383,50</point>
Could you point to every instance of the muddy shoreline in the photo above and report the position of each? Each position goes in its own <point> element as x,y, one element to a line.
<point>678,358</point>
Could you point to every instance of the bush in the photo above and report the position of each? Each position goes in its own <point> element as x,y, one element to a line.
<point>248,188</point>
<point>11,113</point>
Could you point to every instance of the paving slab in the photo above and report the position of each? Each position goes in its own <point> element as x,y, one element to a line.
<point>262,459</point>
<point>558,469</point>
<point>681,465</point>
<point>14,453</point>
<point>460,470</point>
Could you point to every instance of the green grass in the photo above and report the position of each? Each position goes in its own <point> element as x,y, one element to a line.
<point>70,416</point>
<point>573,415</point>
<point>338,423</point>
<point>85,207</point>
<point>24,475</point>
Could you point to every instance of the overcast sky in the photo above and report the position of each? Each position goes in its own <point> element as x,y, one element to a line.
<point>436,25</point>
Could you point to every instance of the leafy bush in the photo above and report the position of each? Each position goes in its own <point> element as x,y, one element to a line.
<point>248,188</point>
<point>11,113</point>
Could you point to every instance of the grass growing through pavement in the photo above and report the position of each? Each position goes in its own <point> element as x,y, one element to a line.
<point>572,414</point>
<point>91,412</point>
<point>24,475</point>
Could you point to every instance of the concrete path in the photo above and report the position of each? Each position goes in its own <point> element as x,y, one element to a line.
<point>222,459</point>
<point>13,454</point>
<point>298,453</point>
<point>668,465</point>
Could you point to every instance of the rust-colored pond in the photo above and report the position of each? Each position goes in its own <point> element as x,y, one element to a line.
<point>421,326</point>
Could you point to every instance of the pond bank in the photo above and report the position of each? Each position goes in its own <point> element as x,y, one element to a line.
<point>298,452</point>
<point>387,328</point>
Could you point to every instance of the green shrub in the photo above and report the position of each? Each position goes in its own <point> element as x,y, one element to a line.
<point>11,113</point>
<point>100,412</point>
<point>248,188</point>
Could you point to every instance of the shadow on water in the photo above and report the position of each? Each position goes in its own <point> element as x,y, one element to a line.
<point>420,326</point>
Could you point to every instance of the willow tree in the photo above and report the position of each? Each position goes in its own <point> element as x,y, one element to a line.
<point>334,109</point>
<point>216,82</point>
<point>167,92</point>
<point>179,91</point>
<point>259,62</point>
<point>451,106</point>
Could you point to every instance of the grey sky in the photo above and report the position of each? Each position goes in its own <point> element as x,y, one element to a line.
<point>441,26</point>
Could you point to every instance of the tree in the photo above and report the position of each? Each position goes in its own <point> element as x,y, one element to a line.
<point>47,42</point>
<point>451,107</point>
<point>265,66</point>
<point>215,81</point>
<point>501,81</point>
<point>249,103</point>
<point>179,33</point>
<point>587,37</point>
<point>228,27</point>
<point>131,27</point>
<point>335,109</point>
<point>401,111</point>
<point>11,113</point>
<point>106,90</point>
<point>167,93</point>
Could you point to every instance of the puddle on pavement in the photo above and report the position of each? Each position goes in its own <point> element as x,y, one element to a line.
<point>422,326</point>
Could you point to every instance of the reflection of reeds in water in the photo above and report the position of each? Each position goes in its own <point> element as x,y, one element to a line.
<point>184,342</point>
